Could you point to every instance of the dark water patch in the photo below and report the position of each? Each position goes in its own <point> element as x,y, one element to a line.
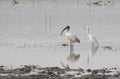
<point>111,48</point>
<point>107,47</point>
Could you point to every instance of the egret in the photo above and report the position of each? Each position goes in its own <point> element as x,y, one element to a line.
<point>70,37</point>
<point>94,44</point>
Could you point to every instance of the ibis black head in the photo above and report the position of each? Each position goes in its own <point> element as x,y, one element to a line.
<point>66,28</point>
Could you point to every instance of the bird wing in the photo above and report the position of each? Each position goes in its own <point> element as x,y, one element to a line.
<point>76,39</point>
<point>72,38</point>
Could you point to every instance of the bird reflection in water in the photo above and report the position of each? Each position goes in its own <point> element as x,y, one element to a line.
<point>72,57</point>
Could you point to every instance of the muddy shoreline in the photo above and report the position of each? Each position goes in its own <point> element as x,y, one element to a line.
<point>37,72</point>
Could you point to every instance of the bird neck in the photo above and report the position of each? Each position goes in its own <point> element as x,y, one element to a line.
<point>88,31</point>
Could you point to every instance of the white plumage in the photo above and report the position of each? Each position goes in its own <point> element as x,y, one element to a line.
<point>70,37</point>
<point>94,44</point>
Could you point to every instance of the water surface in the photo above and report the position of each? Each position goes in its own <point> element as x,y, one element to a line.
<point>30,33</point>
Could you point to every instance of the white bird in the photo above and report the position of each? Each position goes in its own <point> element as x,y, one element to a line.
<point>94,44</point>
<point>70,37</point>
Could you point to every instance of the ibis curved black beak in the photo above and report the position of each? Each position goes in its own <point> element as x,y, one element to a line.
<point>67,27</point>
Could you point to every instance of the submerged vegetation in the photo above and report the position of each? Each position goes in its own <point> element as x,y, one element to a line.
<point>102,2</point>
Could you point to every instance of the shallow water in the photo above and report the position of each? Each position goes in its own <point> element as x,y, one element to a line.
<point>29,33</point>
